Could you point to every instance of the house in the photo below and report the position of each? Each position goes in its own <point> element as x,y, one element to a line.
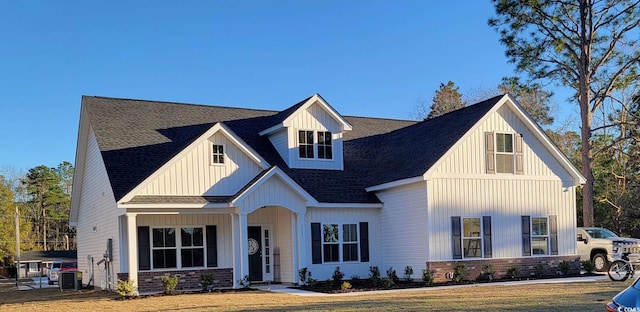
<point>180,189</point>
<point>37,263</point>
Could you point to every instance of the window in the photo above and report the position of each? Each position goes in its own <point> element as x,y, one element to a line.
<point>471,239</point>
<point>305,144</point>
<point>165,248</point>
<point>504,153</point>
<point>338,238</point>
<point>350,242</point>
<point>331,244</point>
<point>217,156</point>
<point>539,236</point>
<point>324,145</point>
<point>192,252</point>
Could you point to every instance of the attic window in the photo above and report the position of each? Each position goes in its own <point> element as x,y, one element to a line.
<point>504,153</point>
<point>305,144</point>
<point>324,145</point>
<point>217,155</point>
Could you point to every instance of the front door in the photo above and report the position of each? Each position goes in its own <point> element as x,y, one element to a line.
<point>255,253</point>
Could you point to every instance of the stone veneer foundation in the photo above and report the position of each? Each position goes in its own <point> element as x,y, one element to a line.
<point>151,281</point>
<point>527,267</point>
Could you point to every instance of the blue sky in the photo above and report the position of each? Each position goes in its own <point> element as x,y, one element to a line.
<point>366,58</point>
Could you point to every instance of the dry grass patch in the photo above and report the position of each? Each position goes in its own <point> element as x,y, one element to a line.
<point>585,296</point>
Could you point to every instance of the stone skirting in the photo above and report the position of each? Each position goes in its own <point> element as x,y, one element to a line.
<point>528,267</point>
<point>151,281</point>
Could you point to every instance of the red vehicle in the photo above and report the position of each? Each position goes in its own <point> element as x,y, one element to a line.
<point>60,266</point>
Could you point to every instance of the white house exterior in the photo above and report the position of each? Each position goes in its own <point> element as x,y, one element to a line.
<point>180,189</point>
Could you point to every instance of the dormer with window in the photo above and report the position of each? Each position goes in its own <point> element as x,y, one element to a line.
<point>309,135</point>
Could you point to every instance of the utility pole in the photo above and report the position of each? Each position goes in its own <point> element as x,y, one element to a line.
<point>17,245</point>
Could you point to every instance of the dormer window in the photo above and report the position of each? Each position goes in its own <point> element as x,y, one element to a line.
<point>217,155</point>
<point>305,144</point>
<point>324,145</point>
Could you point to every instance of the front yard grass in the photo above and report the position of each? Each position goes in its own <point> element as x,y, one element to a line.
<point>583,296</point>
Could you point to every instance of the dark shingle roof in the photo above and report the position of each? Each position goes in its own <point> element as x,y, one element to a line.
<point>137,137</point>
<point>50,255</point>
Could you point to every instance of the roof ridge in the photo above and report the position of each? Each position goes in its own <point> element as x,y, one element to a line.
<point>181,103</point>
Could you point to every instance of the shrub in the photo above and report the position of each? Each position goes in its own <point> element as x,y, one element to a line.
<point>304,275</point>
<point>459,272</point>
<point>170,283</point>
<point>387,282</point>
<point>337,276</point>
<point>427,277</point>
<point>564,266</point>
<point>539,270</point>
<point>588,266</point>
<point>408,271</point>
<point>345,286</point>
<point>356,280</point>
<point>488,273</point>
<point>125,288</point>
<point>206,280</point>
<point>391,273</point>
<point>374,276</point>
<point>513,272</point>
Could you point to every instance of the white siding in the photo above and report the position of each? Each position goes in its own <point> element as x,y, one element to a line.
<point>194,174</point>
<point>403,227</point>
<point>506,201</point>
<point>317,119</point>
<point>469,156</point>
<point>280,141</point>
<point>97,217</point>
<point>344,216</point>
<point>284,247</point>
<point>273,192</point>
<point>221,221</point>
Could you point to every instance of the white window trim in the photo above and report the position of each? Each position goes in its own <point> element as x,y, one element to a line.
<point>224,154</point>
<point>512,154</point>
<point>178,246</point>
<point>340,242</point>
<point>481,237</point>
<point>315,146</point>
<point>547,236</point>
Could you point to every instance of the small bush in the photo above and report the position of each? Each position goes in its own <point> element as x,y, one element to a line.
<point>206,280</point>
<point>391,273</point>
<point>488,273</point>
<point>170,283</point>
<point>408,271</point>
<point>513,272</point>
<point>588,266</point>
<point>427,277</point>
<point>345,286</point>
<point>459,272</point>
<point>304,275</point>
<point>564,267</point>
<point>337,276</point>
<point>374,276</point>
<point>356,280</point>
<point>125,288</point>
<point>539,270</point>
<point>387,282</point>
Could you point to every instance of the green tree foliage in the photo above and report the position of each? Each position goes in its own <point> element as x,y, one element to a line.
<point>587,45</point>
<point>7,224</point>
<point>532,97</point>
<point>48,205</point>
<point>446,99</point>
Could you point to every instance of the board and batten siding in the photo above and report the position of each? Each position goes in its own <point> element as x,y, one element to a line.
<point>403,227</point>
<point>317,119</point>
<point>506,201</point>
<point>221,221</point>
<point>324,271</point>
<point>469,157</point>
<point>97,217</point>
<point>194,174</point>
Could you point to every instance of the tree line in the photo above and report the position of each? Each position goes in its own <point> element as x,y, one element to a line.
<point>42,199</point>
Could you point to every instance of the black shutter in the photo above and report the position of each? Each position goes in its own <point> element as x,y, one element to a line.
<point>144,248</point>
<point>553,234</point>
<point>212,246</point>
<point>456,230</point>
<point>316,243</point>
<point>364,241</point>
<point>486,236</point>
<point>526,236</point>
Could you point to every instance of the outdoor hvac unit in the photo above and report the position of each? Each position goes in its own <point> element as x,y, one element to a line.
<point>70,280</point>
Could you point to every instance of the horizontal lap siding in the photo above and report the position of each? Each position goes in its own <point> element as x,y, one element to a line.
<point>97,217</point>
<point>344,216</point>
<point>505,201</point>
<point>283,244</point>
<point>403,231</point>
<point>222,223</point>
<point>194,174</point>
<point>280,141</point>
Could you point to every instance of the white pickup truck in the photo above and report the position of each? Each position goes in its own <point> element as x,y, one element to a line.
<point>599,245</point>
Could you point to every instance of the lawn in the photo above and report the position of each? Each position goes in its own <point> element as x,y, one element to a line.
<point>583,296</point>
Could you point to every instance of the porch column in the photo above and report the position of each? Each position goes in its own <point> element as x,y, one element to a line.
<point>244,245</point>
<point>302,241</point>
<point>295,247</point>
<point>240,247</point>
<point>132,244</point>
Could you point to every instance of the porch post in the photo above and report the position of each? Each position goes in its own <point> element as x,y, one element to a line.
<point>244,245</point>
<point>132,244</point>
<point>302,251</point>
<point>240,247</point>
<point>295,246</point>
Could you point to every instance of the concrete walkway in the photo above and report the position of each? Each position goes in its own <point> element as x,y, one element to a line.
<point>279,288</point>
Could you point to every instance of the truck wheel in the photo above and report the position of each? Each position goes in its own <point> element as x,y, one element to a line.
<point>600,262</point>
